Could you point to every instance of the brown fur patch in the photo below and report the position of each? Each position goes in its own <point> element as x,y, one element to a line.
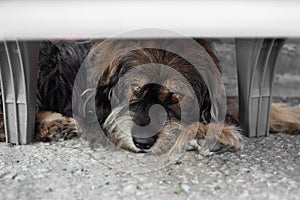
<point>53,126</point>
<point>284,119</point>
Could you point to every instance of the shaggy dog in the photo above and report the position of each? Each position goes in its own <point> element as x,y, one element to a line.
<point>144,99</point>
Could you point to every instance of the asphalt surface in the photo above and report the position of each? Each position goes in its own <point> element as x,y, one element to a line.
<point>266,168</point>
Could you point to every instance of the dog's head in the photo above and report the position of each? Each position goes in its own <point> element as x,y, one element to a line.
<point>145,96</point>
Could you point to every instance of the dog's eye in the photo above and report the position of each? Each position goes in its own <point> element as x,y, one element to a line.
<point>175,97</point>
<point>136,89</point>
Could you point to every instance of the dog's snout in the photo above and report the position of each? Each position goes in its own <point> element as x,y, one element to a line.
<point>141,119</point>
<point>144,137</point>
<point>144,143</point>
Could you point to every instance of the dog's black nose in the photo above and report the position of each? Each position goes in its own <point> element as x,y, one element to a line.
<point>144,143</point>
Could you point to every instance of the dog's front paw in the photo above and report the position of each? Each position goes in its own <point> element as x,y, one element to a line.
<point>54,127</point>
<point>231,137</point>
<point>227,135</point>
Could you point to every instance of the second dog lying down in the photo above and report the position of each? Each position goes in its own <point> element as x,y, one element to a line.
<point>130,77</point>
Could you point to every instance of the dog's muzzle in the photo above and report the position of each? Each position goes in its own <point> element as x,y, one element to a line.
<point>147,126</point>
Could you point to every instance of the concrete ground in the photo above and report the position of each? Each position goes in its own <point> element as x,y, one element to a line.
<point>266,168</point>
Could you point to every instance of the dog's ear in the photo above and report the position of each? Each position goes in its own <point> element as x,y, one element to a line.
<point>205,113</point>
<point>103,94</point>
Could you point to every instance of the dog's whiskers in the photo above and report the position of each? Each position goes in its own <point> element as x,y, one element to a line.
<point>118,127</point>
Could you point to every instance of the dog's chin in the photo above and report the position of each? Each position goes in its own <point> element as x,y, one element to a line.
<point>118,127</point>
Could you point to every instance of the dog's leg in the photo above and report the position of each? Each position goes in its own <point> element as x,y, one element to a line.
<point>284,119</point>
<point>224,134</point>
<point>53,127</point>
